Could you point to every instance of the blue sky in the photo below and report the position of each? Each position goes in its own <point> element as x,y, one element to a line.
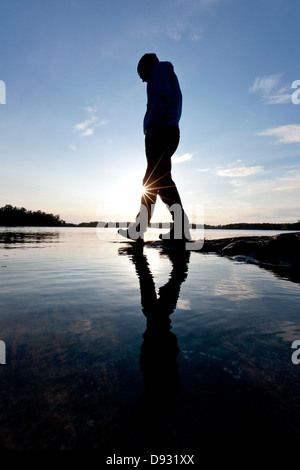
<point>71,137</point>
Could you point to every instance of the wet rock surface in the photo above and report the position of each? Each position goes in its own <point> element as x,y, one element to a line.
<point>280,250</point>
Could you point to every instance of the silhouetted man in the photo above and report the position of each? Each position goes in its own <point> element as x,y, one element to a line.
<point>161,129</point>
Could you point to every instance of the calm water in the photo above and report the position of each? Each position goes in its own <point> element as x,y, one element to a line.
<point>134,353</point>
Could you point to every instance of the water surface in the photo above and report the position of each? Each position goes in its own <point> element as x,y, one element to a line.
<point>119,350</point>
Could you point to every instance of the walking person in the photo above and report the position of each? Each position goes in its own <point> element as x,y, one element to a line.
<point>162,134</point>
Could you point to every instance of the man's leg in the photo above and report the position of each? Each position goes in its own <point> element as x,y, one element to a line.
<point>137,229</point>
<point>166,187</point>
<point>157,180</point>
<point>180,228</point>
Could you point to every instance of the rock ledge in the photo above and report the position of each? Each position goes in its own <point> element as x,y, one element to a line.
<point>282,249</point>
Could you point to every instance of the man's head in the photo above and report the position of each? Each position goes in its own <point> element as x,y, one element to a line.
<point>145,65</point>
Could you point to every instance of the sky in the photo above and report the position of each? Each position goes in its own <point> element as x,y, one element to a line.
<point>72,106</point>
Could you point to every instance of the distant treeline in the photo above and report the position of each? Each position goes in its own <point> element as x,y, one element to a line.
<point>19,216</point>
<point>256,226</point>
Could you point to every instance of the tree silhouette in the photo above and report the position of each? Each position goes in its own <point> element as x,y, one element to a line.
<point>19,216</point>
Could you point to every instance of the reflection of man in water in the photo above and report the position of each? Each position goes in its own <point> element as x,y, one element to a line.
<point>161,129</point>
<point>158,359</point>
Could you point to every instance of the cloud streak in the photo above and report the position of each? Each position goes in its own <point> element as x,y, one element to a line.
<point>268,87</point>
<point>289,182</point>
<point>176,31</point>
<point>180,30</point>
<point>288,134</point>
<point>239,171</point>
<point>87,127</point>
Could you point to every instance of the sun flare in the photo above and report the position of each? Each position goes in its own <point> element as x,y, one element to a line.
<point>125,198</point>
<point>123,202</point>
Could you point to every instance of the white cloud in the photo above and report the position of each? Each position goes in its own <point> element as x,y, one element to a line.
<point>91,109</point>
<point>88,126</point>
<point>265,84</point>
<point>268,88</point>
<point>179,30</point>
<point>288,134</point>
<point>280,97</point>
<point>272,189</point>
<point>239,171</point>
<point>83,125</point>
<point>88,131</point>
<point>195,36</point>
<point>182,158</point>
<point>289,182</point>
<point>176,30</point>
<point>101,123</point>
<point>73,147</point>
